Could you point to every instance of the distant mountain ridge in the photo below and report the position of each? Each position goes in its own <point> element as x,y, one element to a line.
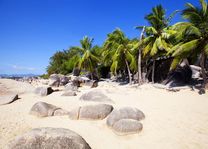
<point>17,75</point>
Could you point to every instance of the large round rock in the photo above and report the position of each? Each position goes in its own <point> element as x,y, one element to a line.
<point>96,96</point>
<point>127,126</point>
<point>95,112</point>
<point>43,109</point>
<point>7,99</point>
<point>124,113</point>
<point>49,138</point>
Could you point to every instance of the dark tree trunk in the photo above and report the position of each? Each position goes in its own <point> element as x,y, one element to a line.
<point>139,60</point>
<point>129,73</point>
<point>153,71</point>
<point>202,63</point>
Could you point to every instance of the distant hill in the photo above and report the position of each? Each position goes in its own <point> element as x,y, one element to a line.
<point>17,75</point>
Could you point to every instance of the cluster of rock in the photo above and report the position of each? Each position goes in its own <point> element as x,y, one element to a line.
<point>57,80</point>
<point>70,83</point>
<point>125,120</point>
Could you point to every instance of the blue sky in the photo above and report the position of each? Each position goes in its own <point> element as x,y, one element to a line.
<point>31,31</point>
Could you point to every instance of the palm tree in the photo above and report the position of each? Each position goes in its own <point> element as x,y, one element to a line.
<point>139,61</point>
<point>85,59</point>
<point>158,35</point>
<point>117,52</point>
<point>192,36</point>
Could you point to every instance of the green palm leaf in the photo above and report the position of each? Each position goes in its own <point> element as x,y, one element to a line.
<point>175,62</point>
<point>186,48</point>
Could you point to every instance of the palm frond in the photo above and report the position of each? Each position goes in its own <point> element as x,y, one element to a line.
<point>175,63</point>
<point>204,6</point>
<point>186,48</point>
<point>154,49</point>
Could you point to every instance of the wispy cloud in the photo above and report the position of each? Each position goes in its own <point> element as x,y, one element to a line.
<point>16,67</point>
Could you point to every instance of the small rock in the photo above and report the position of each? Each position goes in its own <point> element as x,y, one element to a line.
<point>49,138</point>
<point>95,112</point>
<point>69,93</point>
<point>43,109</point>
<point>43,91</point>
<point>60,112</point>
<point>127,126</point>
<point>96,96</point>
<point>124,113</point>
<point>71,86</point>
<point>7,99</point>
<point>64,80</point>
<point>54,80</point>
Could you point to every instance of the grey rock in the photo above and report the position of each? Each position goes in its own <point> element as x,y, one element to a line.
<point>60,112</point>
<point>180,76</point>
<point>95,112</point>
<point>78,81</point>
<point>69,93</point>
<point>71,86</point>
<point>7,99</point>
<point>43,109</point>
<point>64,80</point>
<point>127,126</point>
<point>54,80</point>
<point>96,96</point>
<point>124,113</point>
<point>49,138</point>
<point>74,113</point>
<point>43,91</point>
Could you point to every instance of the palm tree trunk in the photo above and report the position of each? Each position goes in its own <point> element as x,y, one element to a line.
<point>153,71</point>
<point>91,76</point>
<point>139,60</point>
<point>203,69</point>
<point>129,73</point>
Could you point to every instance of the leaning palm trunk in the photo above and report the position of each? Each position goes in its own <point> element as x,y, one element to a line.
<point>203,57</point>
<point>153,71</point>
<point>139,60</point>
<point>129,73</point>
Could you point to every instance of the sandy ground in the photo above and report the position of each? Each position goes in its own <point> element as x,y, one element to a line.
<point>174,120</point>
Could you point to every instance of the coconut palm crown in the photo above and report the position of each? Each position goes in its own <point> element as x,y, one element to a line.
<point>158,35</point>
<point>117,52</point>
<point>192,36</point>
<point>86,60</point>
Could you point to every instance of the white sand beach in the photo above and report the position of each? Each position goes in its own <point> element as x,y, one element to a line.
<point>173,120</point>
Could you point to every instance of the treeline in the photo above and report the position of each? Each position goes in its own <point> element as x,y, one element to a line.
<point>131,58</point>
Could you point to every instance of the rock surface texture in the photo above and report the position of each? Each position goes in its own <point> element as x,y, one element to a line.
<point>43,91</point>
<point>91,112</point>
<point>49,138</point>
<point>95,112</point>
<point>96,96</point>
<point>127,126</point>
<point>125,120</point>
<point>43,109</point>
